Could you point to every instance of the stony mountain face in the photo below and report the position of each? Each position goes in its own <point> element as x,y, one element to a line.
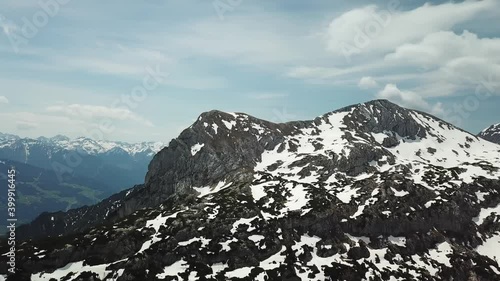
<point>368,192</point>
<point>491,133</point>
<point>118,165</point>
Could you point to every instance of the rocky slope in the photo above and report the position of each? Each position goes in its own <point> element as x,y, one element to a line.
<point>491,133</point>
<point>118,165</point>
<point>368,192</point>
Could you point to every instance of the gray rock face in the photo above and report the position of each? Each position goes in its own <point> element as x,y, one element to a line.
<point>381,115</point>
<point>226,152</point>
<point>491,133</point>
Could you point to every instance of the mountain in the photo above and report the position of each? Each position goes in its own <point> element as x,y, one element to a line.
<point>118,165</point>
<point>491,133</point>
<point>372,191</point>
<point>39,190</point>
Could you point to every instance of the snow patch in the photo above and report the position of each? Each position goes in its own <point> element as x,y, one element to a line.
<point>196,148</point>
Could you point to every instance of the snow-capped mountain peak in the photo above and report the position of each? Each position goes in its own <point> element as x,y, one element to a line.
<point>491,133</point>
<point>372,191</point>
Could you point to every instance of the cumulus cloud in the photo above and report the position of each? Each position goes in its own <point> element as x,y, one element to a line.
<point>84,111</point>
<point>4,99</point>
<point>456,61</point>
<point>381,29</point>
<point>409,99</point>
<point>405,98</point>
<point>419,52</point>
<point>444,47</point>
<point>367,82</point>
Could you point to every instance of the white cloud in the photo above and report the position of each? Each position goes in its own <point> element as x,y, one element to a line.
<point>4,99</point>
<point>456,62</point>
<point>26,126</point>
<point>30,124</point>
<point>92,112</point>
<point>442,47</point>
<point>367,82</point>
<point>35,125</point>
<point>420,52</point>
<point>405,98</point>
<point>382,29</point>
<point>314,73</point>
<point>410,99</point>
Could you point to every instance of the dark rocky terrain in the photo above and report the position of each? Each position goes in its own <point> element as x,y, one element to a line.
<point>368,192</point>
<point>491,133</point>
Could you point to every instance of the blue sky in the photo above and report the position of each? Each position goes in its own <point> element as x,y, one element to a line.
<point>78,67</point>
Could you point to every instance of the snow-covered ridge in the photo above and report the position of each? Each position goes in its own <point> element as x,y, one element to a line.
<point>491,133</point>
<point>82,144</point>
<point>359,140</point>
<point>493,128</point>
<point>443,145</point>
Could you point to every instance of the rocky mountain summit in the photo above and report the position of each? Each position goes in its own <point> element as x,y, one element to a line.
<point>372,191</point>
<point>491,133</point>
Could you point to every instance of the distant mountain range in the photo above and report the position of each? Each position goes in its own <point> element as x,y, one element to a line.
<point>118,165</point>
<point>492,133</point>
<point>39,190</point>
<point>59,173</point>
<point>371,191</point>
